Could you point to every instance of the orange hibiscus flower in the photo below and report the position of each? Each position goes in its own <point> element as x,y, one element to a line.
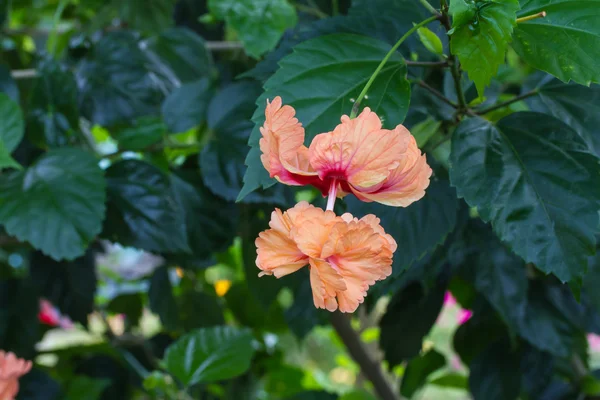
<point>345,255</point>
<point>11,369</point>
<point>357,157</point>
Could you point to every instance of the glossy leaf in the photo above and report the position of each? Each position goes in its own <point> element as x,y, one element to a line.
<point>144,132</point>
<point>61,229</point>
<point>319,80</point>
<point>142,212</point>
<point>186,106</point>
<point>420,227</point>
<point>161,298</point>
<point>149,16</point>
<point>577,106</point>
<point>495,374</point>
<point>409,317</point>
<point>481,42</point>
<point>418,369</point>
<point>11,123</point>
<point>210,354</point>
<point>530,175</point>
<point>566,43</point>
<point>258,23</point>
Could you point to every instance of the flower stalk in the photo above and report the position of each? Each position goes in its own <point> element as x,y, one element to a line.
<point>532,17</point>
<point>332,195</point>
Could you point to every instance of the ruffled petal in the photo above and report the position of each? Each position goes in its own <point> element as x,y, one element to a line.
<point>405,185</point>
<point>284,155</point>
<point>358,151</point>
<point>311,230</point>
<point>326,282</point>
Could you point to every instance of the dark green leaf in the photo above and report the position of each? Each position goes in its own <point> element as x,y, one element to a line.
<point>420,227</point>
<point>566,43</point>
<point>534,178</point>
<point>57,204</point>
<point>6,160</point>
<point>302,316</point>
<point>161,298</point>
<point>116,83</point>
<point>38,385</point>
<point>130,304</point>
<point>577,106</point>
<point>409,317</point>
<point>495,374</point>
<point>480,42</point>
<point>83,387</point>
<point>209,355</point>
<point>144,132</point>
<point>178,56</point>
<point>149,15</point>
<point>8,85</point>
<point>250,311</point>
<point>209,222</point>
<point>142,212</point>
<point>19,324</point>
<point>199,310</point>
<point>312,395</point>
<point>53,115</point>
<point>451,380</point>
<point>478,333</point>
<point>222,159</point>
<point>418,369</point>
<point>186,106</point>
<point>70,286</point>
<point>258,23</point>
<point>537,368</point>
<point>319,80</point>
<point>11,123</point>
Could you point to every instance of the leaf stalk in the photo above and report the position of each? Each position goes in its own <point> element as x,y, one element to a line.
<point>532,17</point>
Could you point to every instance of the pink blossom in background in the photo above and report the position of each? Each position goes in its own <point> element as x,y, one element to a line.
<point>464,316</point>
<point>11,369</point>
<point>449,300</point>
<point>594,341</point>
<point>49,315</point>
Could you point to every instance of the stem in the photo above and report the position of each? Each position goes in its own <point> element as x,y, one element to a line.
<point>384,61</point>
<point>437,94</point>
<point>429,7</point>
<point>427,64</point>
<point>370,368</point>
<point>310,10</point>
<point>335,7</point>
<point>52,39</point>
<point>533,16</point>
<point>332,195</point>
<point>456,75</point>
<point>507,103</point>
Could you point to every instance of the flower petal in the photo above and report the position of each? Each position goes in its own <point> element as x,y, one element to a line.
<point>311,230</point>
<point>326,282</point>
<point>284,155</point>
<point>358,150</point>
<point>405,185</point>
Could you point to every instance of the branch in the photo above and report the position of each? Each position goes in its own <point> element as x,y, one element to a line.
<point>453,62</point>
<point>507,103</point>
<point>437,94</point>
<point>370,368</point>
<point>427,64</point>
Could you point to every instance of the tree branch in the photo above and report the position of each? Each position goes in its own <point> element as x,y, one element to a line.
<point>437,94</point>
<point>507,103</point>
<point>370,368</point>
<point>427,64</point>
<point>453,62</point>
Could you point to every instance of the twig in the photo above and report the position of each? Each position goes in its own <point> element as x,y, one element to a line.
<point>531,17</point>
<point>437,94</point>
<point>371,369</point>
<point>335,7</point>
<point>427,64</point>
<point>453,62</point>
<point>429,7</point>
<point>507,103</point>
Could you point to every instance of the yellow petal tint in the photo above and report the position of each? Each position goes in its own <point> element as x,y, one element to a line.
<point>11,369</point>
<point>359,156</point>
<point>345,255</point>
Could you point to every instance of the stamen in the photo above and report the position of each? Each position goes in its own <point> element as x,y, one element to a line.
<point>332,195</point>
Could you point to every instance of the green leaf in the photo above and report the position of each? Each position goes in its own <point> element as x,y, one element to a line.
<point>69,286</point>
<point>577,106</point>
<point>161,298</point>
<point>19,323</point>
<point>320,79</point>
<point>420,227</point>
<point>12,126</point>
<point>83,387</point>
<point>199,310</point>
<point>418,369</point>
<point>481,42</point>
<point>185,108</point>
<point>53,110</point>
<point>451,380</point>
<point>66,189</point>
<point>115,63</point>
<point>130,304</point>
<point>148,16</point>
<point>37,385</point>
<point>534,178</point>
<point>178,56</point>
<point>210,354</point>
<point>495,374</point>
<point>566,43</point>
<point>8,85</point>
<point>210,223</point>
<point>478,333</point>
<point>425,130</point>
<point>409,317</point>
<point>258,23</point>
<point>430,40</point>
<point>462,12</point>
<point>6,160</point>
<point>142,213</point>
<point>144,132</point>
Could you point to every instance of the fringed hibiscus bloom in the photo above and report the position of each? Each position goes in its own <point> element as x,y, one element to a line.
<point>345,255</point>
<point>11,369</point>
<point>357,157</point>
